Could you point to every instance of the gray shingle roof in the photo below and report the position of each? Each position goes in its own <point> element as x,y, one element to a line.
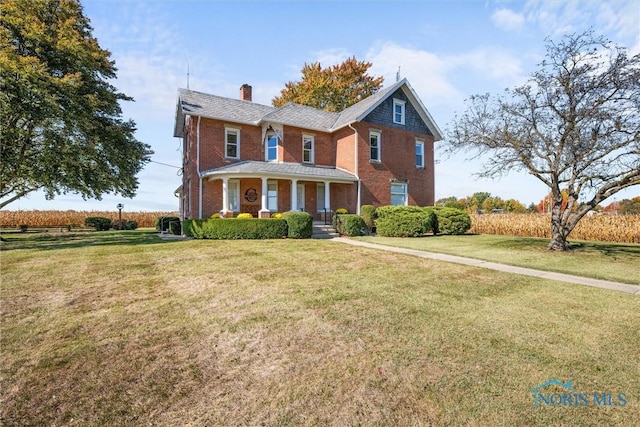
<point>234,110</point>
<point>217,107</point>
<point>302,116</point>
<point>282,170</point>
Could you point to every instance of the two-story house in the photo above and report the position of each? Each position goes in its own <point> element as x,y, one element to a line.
<point>240,156</point>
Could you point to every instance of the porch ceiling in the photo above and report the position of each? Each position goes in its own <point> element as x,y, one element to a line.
<point>275,170</point>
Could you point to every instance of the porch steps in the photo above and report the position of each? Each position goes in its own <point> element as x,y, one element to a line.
<point>323,231</point>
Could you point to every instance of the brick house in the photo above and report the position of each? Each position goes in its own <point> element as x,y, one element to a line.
<point>240,156</point>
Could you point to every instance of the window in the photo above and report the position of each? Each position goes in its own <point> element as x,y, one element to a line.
<point>398,194</point>
<point>307,148</point>
<point>420,154</point>
<point>320,197</point>
<point>271,151</point>
<point>232,143</point>
<point>272,196</point>
<point>374,143</point>
<point>300,197</point>
<point>398,111</point>
<point>234,195</point>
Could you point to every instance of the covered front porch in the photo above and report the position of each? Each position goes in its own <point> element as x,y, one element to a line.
<point>264,188</point>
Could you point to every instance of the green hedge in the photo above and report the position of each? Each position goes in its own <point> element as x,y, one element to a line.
<point>349,224</point>
<point>98,222</point>
<point>234,229</point>
<point>300,224</point>
<point>122,224</point>
<point>405,221</point>
<point>452,221</point>
<point>368,214</point>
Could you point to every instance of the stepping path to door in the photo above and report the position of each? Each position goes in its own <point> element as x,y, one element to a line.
<point>604,284</point>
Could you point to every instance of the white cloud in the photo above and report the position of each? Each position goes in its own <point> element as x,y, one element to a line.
<point>331,56</point>
<point>507,20</point>
<point>426,71</point>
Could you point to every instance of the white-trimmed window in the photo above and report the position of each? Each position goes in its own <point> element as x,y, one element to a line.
<point>232,143</point>
<point>233,188</point>
<point>398,111</point>
<point>272,196</point>
<point>271,147</point>
<point>374,145</point>
<point>420,154</point>
<point>399,194</point>
<point>308,146</point>
<point>320,196</point>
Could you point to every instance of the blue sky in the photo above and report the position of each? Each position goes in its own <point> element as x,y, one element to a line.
<point>448,50</point>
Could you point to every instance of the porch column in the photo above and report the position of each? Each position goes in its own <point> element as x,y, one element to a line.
<point>327,197</point>
<point>264,210</point>
<point>225,212</point>
<point>294,194</point>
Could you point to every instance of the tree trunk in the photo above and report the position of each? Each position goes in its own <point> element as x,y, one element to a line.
<point>562,223</point>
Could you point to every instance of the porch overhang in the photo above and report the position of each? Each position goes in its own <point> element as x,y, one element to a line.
<point>276,170</point>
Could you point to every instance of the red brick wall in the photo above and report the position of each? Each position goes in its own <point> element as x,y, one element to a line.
<point>397,163</point>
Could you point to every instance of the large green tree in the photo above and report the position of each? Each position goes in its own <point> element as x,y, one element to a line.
<point>575,126</point>
<point>333,88</point>
<point>60,118</point>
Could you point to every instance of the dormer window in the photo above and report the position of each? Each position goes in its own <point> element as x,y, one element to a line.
<point>398,111</point>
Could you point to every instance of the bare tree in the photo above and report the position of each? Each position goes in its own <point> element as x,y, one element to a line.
<point>575,125</point>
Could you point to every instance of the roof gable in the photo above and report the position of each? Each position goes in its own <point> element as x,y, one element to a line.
<point>358,112</point>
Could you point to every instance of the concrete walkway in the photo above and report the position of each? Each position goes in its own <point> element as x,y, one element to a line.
<point>604,284</point>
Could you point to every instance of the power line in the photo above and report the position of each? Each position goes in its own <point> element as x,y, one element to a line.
<point>165,164</point>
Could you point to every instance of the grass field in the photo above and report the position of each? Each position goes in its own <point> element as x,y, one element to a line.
<point>618,262</point>
<point>122,328</point>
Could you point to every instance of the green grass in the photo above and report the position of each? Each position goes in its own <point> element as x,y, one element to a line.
<point>618,262</point>
<point>126,329</point>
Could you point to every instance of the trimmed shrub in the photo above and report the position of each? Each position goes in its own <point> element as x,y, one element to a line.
<point>368,214</point>
<point>341,211</point>
<point>215,215</point>
<point>300,224</point>
<point>452,221</point>
<point>98,222</point>
<point>250,228</point>
<point>405,221</point>
<point>162,222</point>
<point>349,225</point>
<point>122,224</point>
<point>175,228</point>
<point>244,216</point>
<point>276,215</point>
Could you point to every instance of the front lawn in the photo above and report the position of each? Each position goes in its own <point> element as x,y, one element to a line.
<point>122,328</point>
<point>618,262</point>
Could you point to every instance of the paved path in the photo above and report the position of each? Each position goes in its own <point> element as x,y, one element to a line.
<point>604,284</point>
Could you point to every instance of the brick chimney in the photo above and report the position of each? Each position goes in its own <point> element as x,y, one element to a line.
<point>245,92</point>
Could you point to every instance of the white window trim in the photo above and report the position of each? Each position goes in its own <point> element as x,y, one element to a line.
<point>312,150</point>
<point>227,131</point>
<point>420,144</point>
<point>320,198</point>
<point>272,182</point>
<point>377,134</point>
<point>233,187</point>
<point>266,145</point>
<point>402,104</point>
<point>405,193</point>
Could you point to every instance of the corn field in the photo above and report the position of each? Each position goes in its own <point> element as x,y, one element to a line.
<point>604,228</point>
<point>43,219</point>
